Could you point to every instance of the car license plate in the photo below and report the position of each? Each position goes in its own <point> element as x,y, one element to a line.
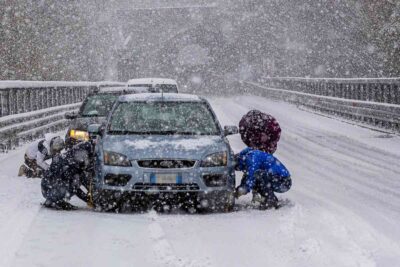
<point>165,178</point>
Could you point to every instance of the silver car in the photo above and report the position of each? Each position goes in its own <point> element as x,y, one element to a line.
<point>163,148</point>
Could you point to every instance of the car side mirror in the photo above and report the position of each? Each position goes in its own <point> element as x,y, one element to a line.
<point>230,130</point>
<point>70,115</point>
<point>94,129</point>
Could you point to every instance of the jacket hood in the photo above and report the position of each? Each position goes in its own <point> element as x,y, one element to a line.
<point>164,146</point>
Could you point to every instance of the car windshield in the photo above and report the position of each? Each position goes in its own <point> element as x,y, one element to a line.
<point>158,88</point>
<point>98,105</point>
<point>164,118</point>
<point>166,88</point>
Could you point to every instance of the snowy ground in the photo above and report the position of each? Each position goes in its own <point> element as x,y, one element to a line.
<point>343,210</point>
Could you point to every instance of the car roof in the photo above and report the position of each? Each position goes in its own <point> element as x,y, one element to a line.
<point>112,89</point>
<point>110,84</point>
<point>121,90</point>
<point>160,97</point>
<point>152,81</point>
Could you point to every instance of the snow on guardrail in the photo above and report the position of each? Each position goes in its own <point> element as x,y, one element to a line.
<point>381,90</point>
<point>340,80</point>
<point>29,109</point>
<point>377,114</point>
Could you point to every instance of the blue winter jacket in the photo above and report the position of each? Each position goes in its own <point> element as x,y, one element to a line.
<point>251,161</point>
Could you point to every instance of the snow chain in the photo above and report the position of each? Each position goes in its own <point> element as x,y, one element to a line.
<point>90,193</point>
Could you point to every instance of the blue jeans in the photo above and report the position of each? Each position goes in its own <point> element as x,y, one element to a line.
<point>265,184</point>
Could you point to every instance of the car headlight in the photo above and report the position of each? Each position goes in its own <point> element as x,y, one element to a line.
<point>79,135</point>
<point>116,159</point>
<point>215,160</point>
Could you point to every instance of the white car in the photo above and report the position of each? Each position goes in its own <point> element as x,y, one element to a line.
<point>155,85</point>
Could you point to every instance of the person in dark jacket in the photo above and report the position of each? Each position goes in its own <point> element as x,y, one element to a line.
<point>64,177</point>
<point>263,173</point>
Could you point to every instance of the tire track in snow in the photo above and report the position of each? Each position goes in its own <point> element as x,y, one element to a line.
<point>20,198</point>
<point>297,152</point>
<point>163,250</point>
<point>341,144</point>
<point>371,185</point>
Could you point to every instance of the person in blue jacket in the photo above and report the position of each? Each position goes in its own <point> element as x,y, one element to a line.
<point>263,173</point>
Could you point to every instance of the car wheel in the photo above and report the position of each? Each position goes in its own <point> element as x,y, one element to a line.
<point>227,203</point>
<point>105,202</point>
<point>223,202</point>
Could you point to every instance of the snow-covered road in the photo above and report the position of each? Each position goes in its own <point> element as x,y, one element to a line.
<point>343,209</point>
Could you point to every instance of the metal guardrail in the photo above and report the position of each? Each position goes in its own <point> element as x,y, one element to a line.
<point>29,109</point>
<point>380,90</point>
<point>25,127</point>
<point>342,98</point>
<point>22,97</point>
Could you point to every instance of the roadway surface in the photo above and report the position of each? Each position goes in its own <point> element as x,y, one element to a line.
<point>343,209</point>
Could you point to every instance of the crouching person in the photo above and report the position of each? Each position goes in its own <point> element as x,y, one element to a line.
<point>263,174</point>
<point>37,153</point>
<point>64,178</point>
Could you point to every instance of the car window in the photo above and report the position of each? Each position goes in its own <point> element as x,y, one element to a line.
<point>98,105</point>
<point>186,118</point>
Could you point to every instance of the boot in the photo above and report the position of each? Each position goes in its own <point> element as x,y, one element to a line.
<point>269,201</point>
<point>22,170</point>
<point>66,205</point>
<point>59,205</point>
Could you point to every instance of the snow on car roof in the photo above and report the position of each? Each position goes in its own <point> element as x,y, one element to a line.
<point>112,89</point>
<point>109,84</point>
<point>122,89</point>
<point>152,81</point>
<point>159,97</point>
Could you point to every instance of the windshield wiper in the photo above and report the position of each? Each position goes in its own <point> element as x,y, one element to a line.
<point>186,133</point>
<point>91,115</point>
<point>120,132</point>
<point>123,132</point>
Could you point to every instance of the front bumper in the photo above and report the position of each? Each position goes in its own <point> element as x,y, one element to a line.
<point>141,180</point>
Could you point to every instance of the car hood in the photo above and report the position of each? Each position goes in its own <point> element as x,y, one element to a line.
<point>82,123</point>
<point>165,146</point>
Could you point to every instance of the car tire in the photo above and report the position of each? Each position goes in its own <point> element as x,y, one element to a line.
<point>221,203</point>
<point>227,204</point>
<point>105,202</point>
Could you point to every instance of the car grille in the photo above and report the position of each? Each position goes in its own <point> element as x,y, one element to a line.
<point>166,187</point>
<point>166,163</point>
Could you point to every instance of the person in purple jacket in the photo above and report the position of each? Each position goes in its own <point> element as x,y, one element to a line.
<point>263,173</point>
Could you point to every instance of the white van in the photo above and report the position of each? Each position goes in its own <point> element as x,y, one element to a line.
<point>155,85</point>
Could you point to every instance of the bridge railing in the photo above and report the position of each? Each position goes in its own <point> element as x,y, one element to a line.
<point>375,102</point>
<point>380,90</point>
<point>21,97</point>
<point>29,109</point>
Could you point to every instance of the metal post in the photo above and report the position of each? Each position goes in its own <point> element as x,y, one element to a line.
<point>13,104</point>
<point>59,96</point>
<point>386,93</point>
<point>370,91</point>
<point>396,93</point>
<point>1,104</point>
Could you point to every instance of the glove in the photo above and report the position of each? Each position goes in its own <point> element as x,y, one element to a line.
<point>240,191</point>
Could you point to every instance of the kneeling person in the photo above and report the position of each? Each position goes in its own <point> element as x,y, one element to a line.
<point>262,172</point>
<point>37,153</point>
<point>64,177</point>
